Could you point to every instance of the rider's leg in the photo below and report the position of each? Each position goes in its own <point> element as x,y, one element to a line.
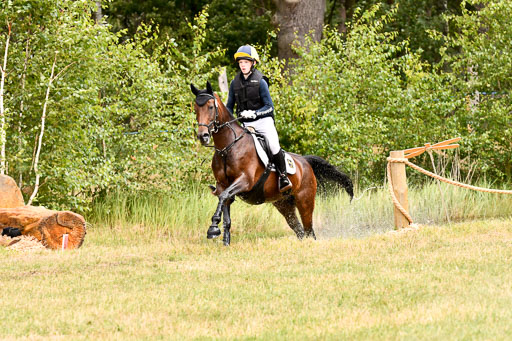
<point>266,127</point>
<point>279,161</point>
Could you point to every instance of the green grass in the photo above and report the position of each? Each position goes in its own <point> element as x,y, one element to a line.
<point>436,283</point>
<point>149,273</point>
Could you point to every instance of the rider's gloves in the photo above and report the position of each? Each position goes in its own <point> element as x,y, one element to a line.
<point>248,114</point>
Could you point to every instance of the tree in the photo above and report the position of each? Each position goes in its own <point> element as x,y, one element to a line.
<point>296,19</point>
<point>481,70</point>
<point>85,114</point>
<point>231,23</point>
<point>344,10</point>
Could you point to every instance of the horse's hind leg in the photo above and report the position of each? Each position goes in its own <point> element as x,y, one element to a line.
<point>306,205</point>
<point>287,208</point>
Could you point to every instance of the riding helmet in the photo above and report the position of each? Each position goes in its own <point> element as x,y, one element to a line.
<point>247,52</point>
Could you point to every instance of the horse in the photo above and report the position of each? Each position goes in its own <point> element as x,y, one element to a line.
<point>238,170</point>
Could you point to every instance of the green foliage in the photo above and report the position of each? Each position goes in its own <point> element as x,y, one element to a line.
<point>231,23</point>
<point>117,117</point>
<point>481,69</point>
<point>353,100</point>
<point>412,21</point>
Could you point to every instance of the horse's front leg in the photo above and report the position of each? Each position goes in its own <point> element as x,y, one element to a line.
<point>227,222</point>
<point>213,230</point>
<point>225,198</point>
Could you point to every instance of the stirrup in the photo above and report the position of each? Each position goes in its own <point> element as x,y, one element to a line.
<point>284,184</point>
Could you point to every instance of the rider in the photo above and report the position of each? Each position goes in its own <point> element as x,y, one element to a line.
<point>249,91</point>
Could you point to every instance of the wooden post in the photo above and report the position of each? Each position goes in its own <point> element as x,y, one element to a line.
<point>399,178</point>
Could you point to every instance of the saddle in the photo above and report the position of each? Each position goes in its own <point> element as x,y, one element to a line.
<point>256,195</point>
<point>265,155</point>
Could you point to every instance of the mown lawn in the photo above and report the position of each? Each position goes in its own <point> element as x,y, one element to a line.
<point>446,282</point>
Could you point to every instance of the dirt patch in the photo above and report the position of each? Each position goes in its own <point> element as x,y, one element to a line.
<point>412,227</point>
<point>21,243</point>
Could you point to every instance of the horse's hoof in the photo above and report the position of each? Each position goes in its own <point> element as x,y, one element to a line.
<point>213,232</point>
<point>311,235</point>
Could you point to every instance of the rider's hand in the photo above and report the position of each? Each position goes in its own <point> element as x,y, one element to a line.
<point>248,114</point>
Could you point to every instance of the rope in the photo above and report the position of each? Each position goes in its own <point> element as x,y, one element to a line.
<point>433,175</point>
<point>393,196</point>
<point>451,182</point>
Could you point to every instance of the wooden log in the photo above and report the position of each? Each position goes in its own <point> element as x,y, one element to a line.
<point>399,179</point>
<point>46,225</point>
<point>10,194</point>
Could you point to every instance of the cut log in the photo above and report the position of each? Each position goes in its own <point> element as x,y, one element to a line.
<point>46,225</point>
<point>10,194</point>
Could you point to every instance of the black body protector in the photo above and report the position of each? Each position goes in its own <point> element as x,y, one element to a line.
<point>247,91</point>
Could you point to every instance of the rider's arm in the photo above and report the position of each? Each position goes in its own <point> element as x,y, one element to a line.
<point>267,110</point>
<point>231,98</point>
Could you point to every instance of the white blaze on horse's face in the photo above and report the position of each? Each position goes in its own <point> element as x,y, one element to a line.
<point>205,115</point>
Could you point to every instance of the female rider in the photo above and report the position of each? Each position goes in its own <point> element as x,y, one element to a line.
<point>249,91</point>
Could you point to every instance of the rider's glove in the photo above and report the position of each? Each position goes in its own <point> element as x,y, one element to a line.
<point>251,114</point>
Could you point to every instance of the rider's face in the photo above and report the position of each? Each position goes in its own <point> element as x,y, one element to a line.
<point>245,66</point>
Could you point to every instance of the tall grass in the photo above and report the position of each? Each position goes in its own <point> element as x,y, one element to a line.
<point>187,215</point>
<point>372,211</point>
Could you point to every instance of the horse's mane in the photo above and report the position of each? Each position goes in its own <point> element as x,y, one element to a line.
<point>223,107</point>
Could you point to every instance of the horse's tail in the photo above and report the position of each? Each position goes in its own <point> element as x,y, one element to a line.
<point>325,173</point>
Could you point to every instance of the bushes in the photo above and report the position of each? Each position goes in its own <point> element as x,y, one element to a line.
<point>117,117</point>
<point>353,99</point>
<point>120,117</point>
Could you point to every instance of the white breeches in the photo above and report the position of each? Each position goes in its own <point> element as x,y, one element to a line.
<point>265,126</point>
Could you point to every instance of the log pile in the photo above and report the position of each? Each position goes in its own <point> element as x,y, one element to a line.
<point>10,194</point>
<point>47,226</point>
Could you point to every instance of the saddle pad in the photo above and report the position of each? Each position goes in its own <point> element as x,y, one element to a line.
<point>290,163</point>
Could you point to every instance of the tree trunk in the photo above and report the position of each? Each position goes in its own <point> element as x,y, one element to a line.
<point>98,14</point>
<point>46,225</point>
<point>346,11</point>
<point>3,120</point>
<point>296,19</point>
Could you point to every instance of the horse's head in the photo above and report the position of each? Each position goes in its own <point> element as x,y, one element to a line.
<point>207,112</point>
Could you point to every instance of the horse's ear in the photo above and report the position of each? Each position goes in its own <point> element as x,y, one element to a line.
<point>209,88</point>
<point>194,89</point>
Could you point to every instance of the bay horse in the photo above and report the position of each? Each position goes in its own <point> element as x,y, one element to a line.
<point>237,169</point>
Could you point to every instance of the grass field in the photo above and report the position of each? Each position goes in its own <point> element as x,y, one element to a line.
<point>145,281</point>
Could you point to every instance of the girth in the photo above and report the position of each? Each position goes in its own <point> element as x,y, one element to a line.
<point>256,195</point>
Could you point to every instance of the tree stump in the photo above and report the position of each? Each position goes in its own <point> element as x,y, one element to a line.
<point>46,225</point>
<point>10,194</point>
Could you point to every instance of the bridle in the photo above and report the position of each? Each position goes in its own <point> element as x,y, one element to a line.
<point>215,126</point>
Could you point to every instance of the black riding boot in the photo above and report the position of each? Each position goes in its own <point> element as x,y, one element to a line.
<point>284,182</point>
